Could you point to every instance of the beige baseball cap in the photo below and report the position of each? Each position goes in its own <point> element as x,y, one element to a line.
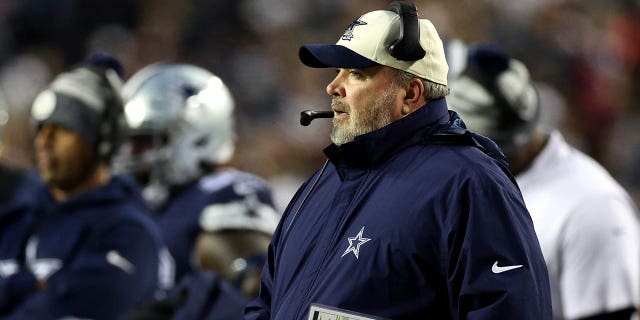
<point>366,43</point>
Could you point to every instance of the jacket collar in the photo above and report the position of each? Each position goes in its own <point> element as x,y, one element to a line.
<point>116,189</point>
<point>369,150</point>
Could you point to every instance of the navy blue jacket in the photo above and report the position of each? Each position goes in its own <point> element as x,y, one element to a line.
<point>98,254</point>
<point>411,221</point>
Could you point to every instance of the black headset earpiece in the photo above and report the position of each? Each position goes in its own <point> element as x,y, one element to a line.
<point>407,47</point>
<point>112,123</point>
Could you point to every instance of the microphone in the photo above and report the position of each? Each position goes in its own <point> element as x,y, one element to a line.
<point>308,115</point>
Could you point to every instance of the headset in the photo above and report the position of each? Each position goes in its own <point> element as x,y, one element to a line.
<point>407,47</point>
<point>112,127</point>
<point>109,72</point>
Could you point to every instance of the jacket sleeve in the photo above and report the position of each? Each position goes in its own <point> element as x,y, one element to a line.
<point>112,271</point>
<point>495,268</point>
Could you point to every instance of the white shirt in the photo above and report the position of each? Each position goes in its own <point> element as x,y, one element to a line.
<point>588,229</point>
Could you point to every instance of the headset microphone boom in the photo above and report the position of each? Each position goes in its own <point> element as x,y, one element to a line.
<point>308,115</point>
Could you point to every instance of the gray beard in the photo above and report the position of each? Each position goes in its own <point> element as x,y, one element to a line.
<point>363,121</point>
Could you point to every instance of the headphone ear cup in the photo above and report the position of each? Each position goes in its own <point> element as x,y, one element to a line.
<point>407,47</point>
<point>111,133</point>
<point>112,125</point>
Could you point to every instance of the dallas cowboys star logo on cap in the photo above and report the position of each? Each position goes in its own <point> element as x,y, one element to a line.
<point>355,243</point>
<point>348,34</point>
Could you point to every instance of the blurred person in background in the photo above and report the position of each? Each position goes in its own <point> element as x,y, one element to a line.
<point>412,216</point>
<point>94,252</point>
<point>17,219</point>
<point>586,223</point>
<point>212,216</point>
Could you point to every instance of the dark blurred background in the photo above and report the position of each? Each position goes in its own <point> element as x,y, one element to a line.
<point>584,54</point>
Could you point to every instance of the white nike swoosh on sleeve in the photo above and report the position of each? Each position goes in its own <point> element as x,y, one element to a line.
<point>498,269</point>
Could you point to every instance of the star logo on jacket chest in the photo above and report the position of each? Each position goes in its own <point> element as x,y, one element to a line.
<point>355,243</point>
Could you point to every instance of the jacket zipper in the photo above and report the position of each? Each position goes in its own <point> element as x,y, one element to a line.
<point>333,240</point>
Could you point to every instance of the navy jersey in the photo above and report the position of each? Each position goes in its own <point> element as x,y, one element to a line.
<point>412,221</point>
<point>98,254</point>
<point>179,219</point>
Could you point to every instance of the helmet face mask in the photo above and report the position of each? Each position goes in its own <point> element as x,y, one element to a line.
<point>179,117</point>
<point>144,154</point>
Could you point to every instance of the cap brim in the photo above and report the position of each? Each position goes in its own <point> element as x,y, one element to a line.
<point>331,55</point>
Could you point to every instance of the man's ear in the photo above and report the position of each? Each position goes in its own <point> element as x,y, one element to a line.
<point>414,97</point>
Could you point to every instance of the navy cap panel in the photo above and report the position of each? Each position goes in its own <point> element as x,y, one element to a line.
<point>331,55</point>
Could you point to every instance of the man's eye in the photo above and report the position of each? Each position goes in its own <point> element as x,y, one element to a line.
<point>355,73</point>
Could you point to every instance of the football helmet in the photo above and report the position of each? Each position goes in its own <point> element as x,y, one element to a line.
<point>494,95</point>
<point>180,117</point>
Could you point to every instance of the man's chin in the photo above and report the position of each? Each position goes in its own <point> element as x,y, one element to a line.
<point>340,136</point>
